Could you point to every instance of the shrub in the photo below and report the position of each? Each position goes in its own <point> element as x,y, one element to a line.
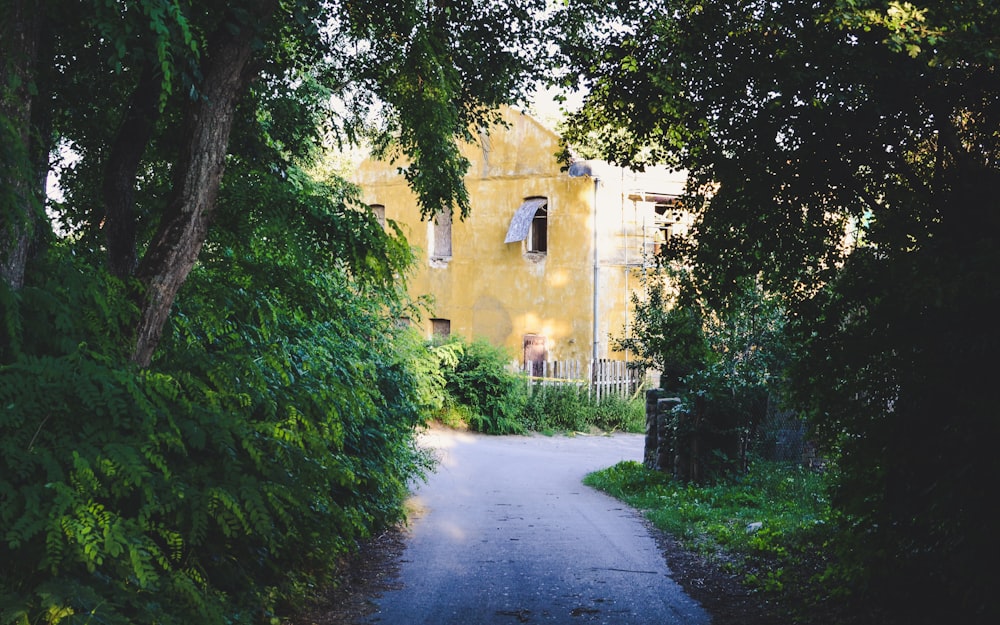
<point>558,407</point>
<point>273,431</point>
<point>428,364</point>
<point>614,413</point>
<point>570,407</point>
<point>480,381</point>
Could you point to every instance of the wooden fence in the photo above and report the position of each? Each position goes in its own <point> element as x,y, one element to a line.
<point>606,378</point>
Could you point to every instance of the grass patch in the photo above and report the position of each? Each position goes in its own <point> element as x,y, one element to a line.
<point>770,526</point>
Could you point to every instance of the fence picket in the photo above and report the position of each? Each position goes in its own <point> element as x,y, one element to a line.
<point>604,378</point>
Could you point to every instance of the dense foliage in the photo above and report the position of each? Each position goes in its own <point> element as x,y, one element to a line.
<point>479,388</point>
<point>171,93</point>
<point>843,153</point>
<point>204,397</point>
<point>724,364</point>
<point>572,408</point>
<point>668,332</point>
<point>275,429</point>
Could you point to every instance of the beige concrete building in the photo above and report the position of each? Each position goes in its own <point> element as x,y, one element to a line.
<point>546,263</point>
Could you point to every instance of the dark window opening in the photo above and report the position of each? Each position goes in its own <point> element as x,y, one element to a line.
<point>441,328</point>
<point>530,224</point>
<point>538,234</point>
<point>663,235</point>
<point>668,216</point>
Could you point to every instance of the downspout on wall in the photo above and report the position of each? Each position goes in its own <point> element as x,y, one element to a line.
<point>582,169</point>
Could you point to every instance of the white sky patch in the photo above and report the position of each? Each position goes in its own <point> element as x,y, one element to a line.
<point>545,107</point>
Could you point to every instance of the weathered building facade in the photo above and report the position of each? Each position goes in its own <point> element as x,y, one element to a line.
<point>546,263</point>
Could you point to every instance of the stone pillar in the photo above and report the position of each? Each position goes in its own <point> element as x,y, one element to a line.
<point>658,451</point>
<point>652,429</point>
<point>665,437</point>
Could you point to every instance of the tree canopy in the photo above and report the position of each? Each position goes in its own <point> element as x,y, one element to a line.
<point>156,98</point>
<point>204,402</point>
<point>844,154</point>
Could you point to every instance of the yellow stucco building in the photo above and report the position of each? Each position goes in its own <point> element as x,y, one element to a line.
<point>545,264</point>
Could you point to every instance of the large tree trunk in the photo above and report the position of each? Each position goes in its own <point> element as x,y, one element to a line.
<point>118,188</point>
<point>20,200</point>
<point>182,232</point>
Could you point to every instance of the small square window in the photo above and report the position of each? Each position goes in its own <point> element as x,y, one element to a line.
<point>441,328</point>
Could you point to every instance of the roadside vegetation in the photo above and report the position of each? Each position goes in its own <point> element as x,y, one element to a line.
<point>272,431</point>
<point>770,527</point>
<point>469,384</point>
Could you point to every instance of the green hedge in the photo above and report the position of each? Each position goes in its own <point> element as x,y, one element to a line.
<point>218,486</point>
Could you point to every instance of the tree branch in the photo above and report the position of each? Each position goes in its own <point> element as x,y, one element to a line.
<point>118,188</point>
<point>182,232</point>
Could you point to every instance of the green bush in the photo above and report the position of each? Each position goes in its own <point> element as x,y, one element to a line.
<point>273,431</point>
<point>557,407</point>
<point>614,413</point>
<point>569,407</point>
<point>492,396</point>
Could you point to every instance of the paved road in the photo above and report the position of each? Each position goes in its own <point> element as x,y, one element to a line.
<point>506,533</point>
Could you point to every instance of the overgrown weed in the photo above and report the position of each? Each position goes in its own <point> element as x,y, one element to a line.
<point>769,526</point>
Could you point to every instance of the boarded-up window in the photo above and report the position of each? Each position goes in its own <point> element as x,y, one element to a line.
<point>379,211</point>
<point>441,328</point>
<point>535,354</point>
<point>440,236</point>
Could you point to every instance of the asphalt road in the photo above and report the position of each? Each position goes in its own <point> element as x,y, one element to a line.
<point>504,532</point>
